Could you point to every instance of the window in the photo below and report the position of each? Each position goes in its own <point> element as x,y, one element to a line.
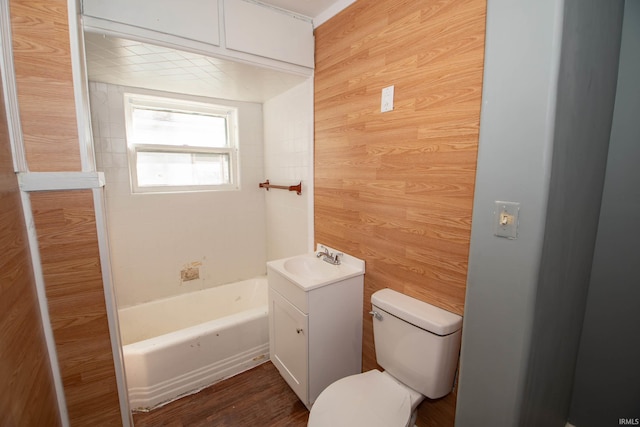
<point>177,145</point>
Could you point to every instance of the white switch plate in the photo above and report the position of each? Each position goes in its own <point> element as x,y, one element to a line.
<point>387,99</point>
<point>505,219</point>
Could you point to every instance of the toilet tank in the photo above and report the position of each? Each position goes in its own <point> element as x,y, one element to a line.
<point>417,343</point>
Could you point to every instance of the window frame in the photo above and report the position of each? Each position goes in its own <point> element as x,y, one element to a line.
<point>133,100</point>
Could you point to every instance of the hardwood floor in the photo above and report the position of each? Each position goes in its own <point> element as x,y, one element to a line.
<point>258,397</point>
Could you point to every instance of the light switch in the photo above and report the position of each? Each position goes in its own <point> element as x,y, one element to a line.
<point>387,99</point>
<point>505,219</point>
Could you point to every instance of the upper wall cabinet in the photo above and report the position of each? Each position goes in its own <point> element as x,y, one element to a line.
<point>264,31</point>
<point>244,30</point>
<point>191,19</point>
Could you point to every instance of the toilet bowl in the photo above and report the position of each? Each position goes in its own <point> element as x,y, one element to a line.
<point>417,344</point>
<point>372,399</point>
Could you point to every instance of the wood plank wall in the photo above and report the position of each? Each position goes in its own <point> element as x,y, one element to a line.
<point>42,61</point>
<point>27,393</point>
<point>67,237</point>
<point>64,220</point>
<point>396,188</point>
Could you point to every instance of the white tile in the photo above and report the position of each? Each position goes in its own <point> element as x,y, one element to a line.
<point>120,160</point>
<point>107,160</point>
<point>118,145</point>
<point>116,130</point>
<point>105,145</point>
<point>104,126</point>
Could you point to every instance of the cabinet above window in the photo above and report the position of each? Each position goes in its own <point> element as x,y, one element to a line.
<point>191,19</point>
<point>267,32</point>
<point>244,30</point>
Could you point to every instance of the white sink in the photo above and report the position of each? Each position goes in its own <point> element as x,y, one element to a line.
<point>309,271</point>
<point>311,267</point>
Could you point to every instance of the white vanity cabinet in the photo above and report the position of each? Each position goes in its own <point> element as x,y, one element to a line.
<point>288,331</point>
<point>315,332</point>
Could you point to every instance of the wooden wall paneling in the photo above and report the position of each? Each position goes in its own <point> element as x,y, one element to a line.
<point>396,188</point>
<point>65,221</point>
<point>44,80</point>
<point>67,236</point>
<point>27,391</point>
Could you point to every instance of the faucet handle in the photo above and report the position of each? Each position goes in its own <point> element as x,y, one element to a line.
<point>337,257</point>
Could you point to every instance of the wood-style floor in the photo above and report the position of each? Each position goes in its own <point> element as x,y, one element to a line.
<point>258,397</point>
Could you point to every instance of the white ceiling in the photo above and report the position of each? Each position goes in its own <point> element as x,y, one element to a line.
<point>136,64</point>
<point>131,63</point>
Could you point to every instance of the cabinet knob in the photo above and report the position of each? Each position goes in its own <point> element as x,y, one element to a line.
<point>299,330</point>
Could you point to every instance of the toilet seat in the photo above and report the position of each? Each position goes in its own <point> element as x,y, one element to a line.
<point>371,399</point>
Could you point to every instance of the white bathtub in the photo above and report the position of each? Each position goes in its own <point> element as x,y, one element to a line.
<point>179,345</point>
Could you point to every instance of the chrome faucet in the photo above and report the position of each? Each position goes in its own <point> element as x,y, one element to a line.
<point>330,257</point>
<point>324,253</point>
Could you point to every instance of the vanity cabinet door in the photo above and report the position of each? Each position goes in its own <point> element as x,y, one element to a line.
<point>289,344</point>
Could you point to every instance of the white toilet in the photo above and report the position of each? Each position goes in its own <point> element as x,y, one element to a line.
<point>417,344</point>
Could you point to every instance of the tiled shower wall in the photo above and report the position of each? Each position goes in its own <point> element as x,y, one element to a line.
<point>155,236</point>
<point>288,138</point>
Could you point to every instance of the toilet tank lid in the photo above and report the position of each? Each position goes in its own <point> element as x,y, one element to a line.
<point>416,312</point>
